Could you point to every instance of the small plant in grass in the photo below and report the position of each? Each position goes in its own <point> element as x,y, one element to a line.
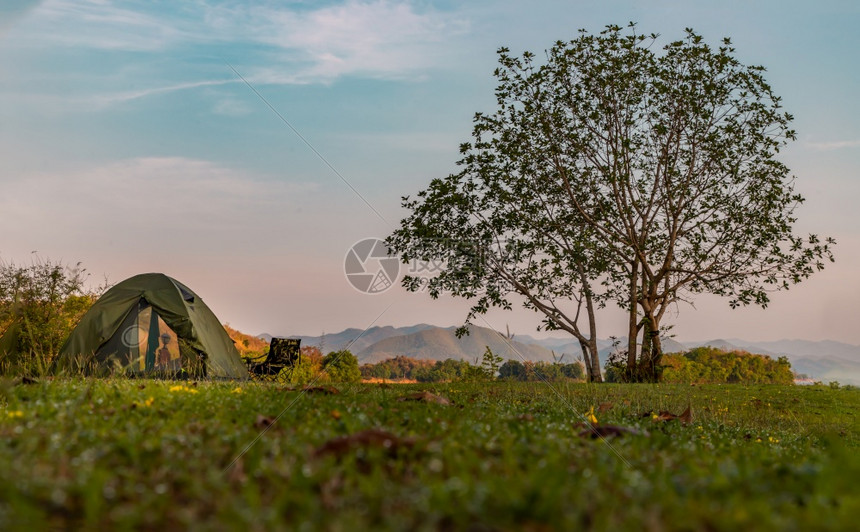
<point>490,363</point>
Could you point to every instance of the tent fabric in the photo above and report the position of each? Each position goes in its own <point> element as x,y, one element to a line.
<point>177,305</point>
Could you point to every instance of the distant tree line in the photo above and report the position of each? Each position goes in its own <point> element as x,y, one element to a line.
<point>489,368</point>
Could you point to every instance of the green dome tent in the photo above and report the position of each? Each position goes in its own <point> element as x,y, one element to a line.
<point>151,324</point>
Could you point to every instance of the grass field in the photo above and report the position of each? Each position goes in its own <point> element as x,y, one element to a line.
<point>148,454</point>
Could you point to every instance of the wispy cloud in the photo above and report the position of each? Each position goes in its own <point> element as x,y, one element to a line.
<point>375,39</point>
<point>99,24</point>
<point>106,99</point>
<point>152,202</point>
<point>286,44</point>
<point>12,10</point>
<point>834,145</point>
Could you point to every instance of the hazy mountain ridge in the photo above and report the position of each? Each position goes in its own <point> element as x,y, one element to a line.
<point>439,344</point>
<point>824,360</point>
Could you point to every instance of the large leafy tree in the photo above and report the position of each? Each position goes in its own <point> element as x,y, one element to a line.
<point>501,233</point>
<point>656,169</point>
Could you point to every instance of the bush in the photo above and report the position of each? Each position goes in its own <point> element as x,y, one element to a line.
<point>40,305</point>
<point>341,366</point>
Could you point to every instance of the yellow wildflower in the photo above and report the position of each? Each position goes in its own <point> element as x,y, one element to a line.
<point>15,414</point>
<point>182,388</point>
<point>237,389</point>
<point>591,417</point>
<point>143,404</point>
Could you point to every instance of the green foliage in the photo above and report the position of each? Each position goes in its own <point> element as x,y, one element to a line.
<point>341,367</point>
<point>514,370</point>
<point>448,370</point>
<point>400,367</point>
<point>490,363</point>
<point>40,305</point>
<point>142,454</point>
<point>492,366</point>
<point>309,368</point>
<point>712,365</point>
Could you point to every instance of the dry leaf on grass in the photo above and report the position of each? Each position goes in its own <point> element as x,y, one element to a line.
<point>606,431</point>
<point>324,390</point>
<point>425,397</point>
<point>366,439</point>
<point>237,475</point>
<point>603,407</point>
<point>686,417</point>
<point>263,422</point>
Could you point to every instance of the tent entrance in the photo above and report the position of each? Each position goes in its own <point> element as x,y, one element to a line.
<point>144,344</point>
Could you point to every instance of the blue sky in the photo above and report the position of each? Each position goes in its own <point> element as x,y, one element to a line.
<point>128,143</point>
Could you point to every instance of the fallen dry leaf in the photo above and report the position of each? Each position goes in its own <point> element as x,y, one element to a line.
<point>686,417</point>
<point>605,431</point>
<point>425,397</point>
<point>237,472</point>
<point>325,390</point>
<point>263,422</point>
<point>366,439</point>
<point>603,407</point>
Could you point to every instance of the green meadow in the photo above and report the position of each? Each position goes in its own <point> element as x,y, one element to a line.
<point>130,454</point>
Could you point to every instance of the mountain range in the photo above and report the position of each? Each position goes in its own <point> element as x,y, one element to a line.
<point>821,360</point>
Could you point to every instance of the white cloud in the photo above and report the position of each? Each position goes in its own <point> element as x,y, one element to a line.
<point>13,10</point>
<point>231,107</point>
<point>99,24</point>
<point>376,39</point>
<point>103,100</point>
<point>151,202</point>
<point>834,145</point>
<point>272,44</point>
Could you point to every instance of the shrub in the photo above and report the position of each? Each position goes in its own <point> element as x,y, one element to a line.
<point>341,366</point>
<point>40,305</point>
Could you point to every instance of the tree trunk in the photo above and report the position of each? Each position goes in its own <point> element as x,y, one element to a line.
<point>591,349</point>
<point>586,359</point>
<point>652,352</point>
<point>633,323</point>
<point>595,360</point>
<point>656,355</point>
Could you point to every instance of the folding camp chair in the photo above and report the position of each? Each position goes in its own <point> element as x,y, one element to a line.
<point>283,356</point>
